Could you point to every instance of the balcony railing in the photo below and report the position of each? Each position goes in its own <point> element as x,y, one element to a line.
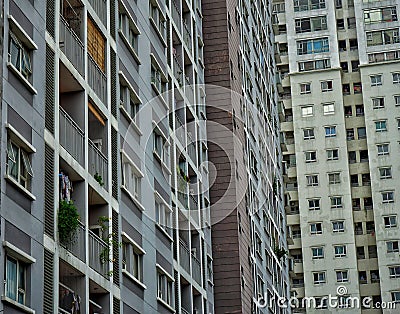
<point>72,138</point>
<point>176,15</point>
<point>97,79</point>
<point>194,213</point>
<point>72,46</point>
<point>184,256</point>
<point>100,7</point>
<point>189,92</point>
<point>98,254</point>
<point>187,37</point>
<point>98,163</point>
<point>65,299</point>
<point>196,269</point>
<point>77,245</point>
<point>184,311</point>
<point>180,130</point>
<point>191,150</point>
<point>178,71</point>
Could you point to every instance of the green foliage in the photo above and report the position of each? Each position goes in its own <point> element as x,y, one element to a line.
<point>108,238</point>
<point>99,179</point>
<point>279,252</point>
<point>68,221</point>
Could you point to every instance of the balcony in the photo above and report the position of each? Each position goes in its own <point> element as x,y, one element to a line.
<point>187,37</point>
<point>100,7</point>
<point>72,46</point>
<point>176,16</point>
<point>184,256</point>
<point>66,297</point>
<point>98,254</point>
<point>178,71</point>
<point>97,79</point>
<point>196,269</point>
<point>98,164</point>
<point>72,138</point>
<point>77,245</point>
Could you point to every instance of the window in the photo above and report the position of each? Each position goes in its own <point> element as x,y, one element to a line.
<point>336,202</point>
<point>334,178</point>
<point>314,204</point>
<point>376,80</point>
<point>383,149</point>
<point>19,167</point>
<point>132,259</point>
<point>378,102</point>
<point>344,66</point>
<point>351,22</point>
<point>385,172</point>
<point>340,24</point>
<point>380,126</point>
<point>395,296</point>
<point>357,88</point>
<point>307,111</point>
<point>383,37</point>
<point>392,246</point>
<point>354,65</point>
<point>319,278</point>
<point>160,146</point>
<point>387,197</point>
<point>346,89</point>
<point>361,133</point>
<point>312,24</point>
<point>330,131</point>
<point>317,252</point>
<point>164,286</point>
<point>305,5</point>
<point>158,20</point>
<point>314,65</point>
<point>332,154</point>
<point>378,15</point>
<point>340,250</point>
<point>396,78</point>
<point>129,102</point>
<point>397,100</point>
<point>359,110</point>
<point>15,280</point>
<point>329,109</point>
<point>19,55</point>
<point>326,86</point>
<point>305,88</point>
<point>131,178</point>
<point>158,78</point>
<point>312,180</point>
<point>312,46</point>
<point>308,134</point>
<point>337,226</point>
<point>394,271</point>
<point>163,216</point>
<point>128,30</point>
<point>311,156</point>
<point>390,221</point>
<point>316,228</point>
<point>342,276</point>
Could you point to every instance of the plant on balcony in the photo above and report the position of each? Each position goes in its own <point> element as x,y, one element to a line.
<point>108,238</point>
<point>68,221</point>
<point>279,252</point>
<point>275,185</point>
<point>182,173</point>
<point>99,179</point>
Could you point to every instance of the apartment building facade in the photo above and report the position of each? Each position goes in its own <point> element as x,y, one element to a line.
<point>103,130</point>
<point>248,221</point>
<point>338,65</point>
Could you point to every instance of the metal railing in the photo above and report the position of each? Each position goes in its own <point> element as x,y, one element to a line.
<point>176,15</point>
<point>191,150</point>
<point>77,245</point>
<point>178,71</point>
<point>184,311</point>
<point>196,269</point>
<point>187,37</point>
<point>98,163</point>
<point>100,7</point>
<point>189,92</point>
<point>98,254</point>
<point>72,46</point>
<point>184,256</point>
<point>65,296</point>
<point>180,129</point>
<point>72,138</point>
<point>97,79</point>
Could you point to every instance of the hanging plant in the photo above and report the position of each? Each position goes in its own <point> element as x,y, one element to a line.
<point>279,252</point>
<point>108,238</point>
<point>99,179</point>
<point>68,222</point>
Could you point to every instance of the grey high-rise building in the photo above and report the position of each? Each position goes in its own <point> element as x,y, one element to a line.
<point>104,189</point>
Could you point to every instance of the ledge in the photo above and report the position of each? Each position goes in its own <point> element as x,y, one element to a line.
<point>129,46</point>
<point>20,140</point>
<point>131,120</point>
<point>167,235</point>
<point>20,187</point>
<point>20,306</point>
<point>21,34</point>
<point>13,251</point>
<point>134,199</point>
<point>130,240</point>
<point>134,279</point>
<point>165,304</point>
<point>27,84</point>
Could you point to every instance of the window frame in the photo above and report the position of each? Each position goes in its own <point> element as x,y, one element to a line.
<point>338,226</point>
<point>376,80</point>
<point>338,255</point>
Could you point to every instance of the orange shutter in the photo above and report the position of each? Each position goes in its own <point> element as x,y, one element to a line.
<point>96,44</point>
